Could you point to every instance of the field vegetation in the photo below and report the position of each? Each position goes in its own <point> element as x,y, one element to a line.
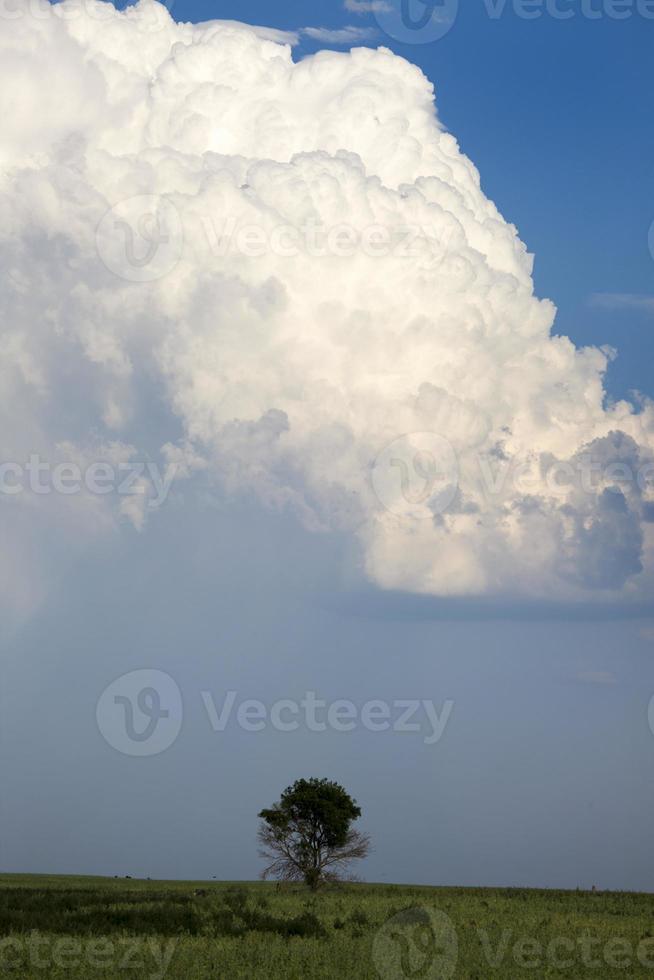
<point>63,927</point>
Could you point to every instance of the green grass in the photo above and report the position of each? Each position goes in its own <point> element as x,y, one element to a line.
<point>95,927</point>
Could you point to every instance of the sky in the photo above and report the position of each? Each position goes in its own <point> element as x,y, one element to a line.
<point>281,565</point>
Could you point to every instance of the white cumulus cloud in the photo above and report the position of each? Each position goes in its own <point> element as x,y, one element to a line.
<point>345,35</point>
<point>367,6</point>
<point>278,270</point>
<point>623,301</point>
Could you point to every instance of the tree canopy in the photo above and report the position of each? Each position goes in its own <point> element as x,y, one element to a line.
<point>307,835</point>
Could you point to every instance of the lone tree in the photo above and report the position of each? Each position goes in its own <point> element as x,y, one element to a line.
<point>306,836</point>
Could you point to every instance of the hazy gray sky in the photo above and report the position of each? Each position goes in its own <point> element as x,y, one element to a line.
<point>395,529</point>
<point>543,775</point>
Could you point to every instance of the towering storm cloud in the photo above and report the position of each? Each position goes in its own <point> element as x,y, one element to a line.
<point>285,277</point>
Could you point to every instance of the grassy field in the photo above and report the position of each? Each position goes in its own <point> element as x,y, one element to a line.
<point>95,927</point>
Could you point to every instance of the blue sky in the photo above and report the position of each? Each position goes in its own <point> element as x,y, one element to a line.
<point>543,775</point>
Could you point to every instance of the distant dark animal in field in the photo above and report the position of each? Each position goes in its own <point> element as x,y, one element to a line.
<point>200,891</point>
